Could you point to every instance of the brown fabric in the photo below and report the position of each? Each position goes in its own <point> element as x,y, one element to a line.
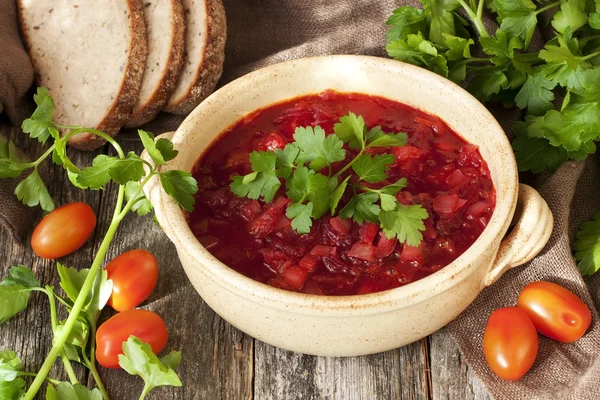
<point>16,77</point>
<point>262,32</point>
<point>16,72</point>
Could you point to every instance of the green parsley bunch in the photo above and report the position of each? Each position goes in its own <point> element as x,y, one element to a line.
<point>313,194</point>
<point>86,290</point>
<point>558,86</point>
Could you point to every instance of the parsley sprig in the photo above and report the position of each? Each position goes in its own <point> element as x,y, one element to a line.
<point>587,246</point>
<point>559,86</point>
<point>86,290</point>
<point>300,165</point>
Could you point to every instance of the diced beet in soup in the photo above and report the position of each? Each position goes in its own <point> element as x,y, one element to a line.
<point>445,175</point>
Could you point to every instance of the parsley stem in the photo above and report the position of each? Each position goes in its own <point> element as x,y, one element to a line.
<point>480,9</point>
<point>77,129</point>
<point>145,392</point>
<point>341,171</point>
<point>61,339</point>
<point>37,162</point>
<point>549,6</point>
<point>368,189</point>
<point>475,19</point>
<point>594,54</point>
<point>91,360</point>
<point>50,380</point>
<point>49,291</point>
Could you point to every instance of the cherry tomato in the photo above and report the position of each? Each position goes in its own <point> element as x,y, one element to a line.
<point>555,311</point>
<point>134,275</point>
<point>145,325</point>
<point>510,343</point>
<point>63,231</point>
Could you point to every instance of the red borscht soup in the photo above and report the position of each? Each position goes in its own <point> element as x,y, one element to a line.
<point>339,255</point>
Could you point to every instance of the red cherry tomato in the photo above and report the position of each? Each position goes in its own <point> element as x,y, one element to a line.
<point>145,325</point>
<point>510,343</point>
<point>134,275</point>
<point>63,231</point>
<point>555,311</point>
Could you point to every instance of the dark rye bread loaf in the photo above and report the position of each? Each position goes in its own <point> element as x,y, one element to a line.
<point>91,55</point>
<point>205,52</point>
<point>165,25</point>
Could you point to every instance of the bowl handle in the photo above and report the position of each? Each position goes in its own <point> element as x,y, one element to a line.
<point>154,192</point>
<point>533,223</point>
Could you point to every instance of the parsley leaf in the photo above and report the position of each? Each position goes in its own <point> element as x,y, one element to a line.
<point>10,365</point>
<point>306,184</point>
<point>41,119</point>
<point>536,94</point>
<point>587,246</point>
<point>376,137</point>
<point>372,169</point>
<point>32,191</point>
<point>181,186</point>
<point>487,81</point>
<point>262,182</point>
<point>76,344</point>
<point>12,389</point>
<point>442,18</point>
<point>351,129</point>
<point>536,154</point>
<point>594,18</point>
<point>316,148</point>
<point>138,359</point>
<point>458,47</point>
<point>337,194</point>
<point>14,292</point>
<point>67,391</point>
<point>71,280</point>
<point>301,216</point>
<point>104,168</point>
<point>388,202</point>
<point>404,223</point>
<point>21,275</point>
<point>395,187</point>
<point>11,164</point>
<point>362,208</point>
<point>286,160</point>
<point>577,123</point>
<point>570,16</point>
<point>418,51</point>
<point>142,205</point>
<point>405,20</point>
<point>160,151</point>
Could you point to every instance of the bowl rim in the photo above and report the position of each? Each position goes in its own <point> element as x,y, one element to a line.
<point>351,305</point>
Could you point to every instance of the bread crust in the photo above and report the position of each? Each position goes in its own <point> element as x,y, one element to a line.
<point>210,70</point>
<point>171,75</point>
<point>129,91</point>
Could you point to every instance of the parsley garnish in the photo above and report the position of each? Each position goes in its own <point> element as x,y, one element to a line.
<point>306,167</point>
<point>567,67</point>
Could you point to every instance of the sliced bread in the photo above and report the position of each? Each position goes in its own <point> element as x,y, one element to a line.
<point>205,53</point>
<point>91,55</point>
<point>165,25</point>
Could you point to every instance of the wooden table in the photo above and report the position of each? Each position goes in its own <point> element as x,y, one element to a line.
<point>219,362</point>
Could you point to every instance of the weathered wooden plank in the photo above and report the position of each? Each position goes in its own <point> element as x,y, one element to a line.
<point>451,378</point>
<point>217,359</point>
<point>397,374</point>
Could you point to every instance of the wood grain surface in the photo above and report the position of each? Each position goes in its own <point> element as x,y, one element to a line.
<point>219,362</point>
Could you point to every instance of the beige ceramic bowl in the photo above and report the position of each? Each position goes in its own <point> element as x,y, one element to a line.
<point>363,324</point>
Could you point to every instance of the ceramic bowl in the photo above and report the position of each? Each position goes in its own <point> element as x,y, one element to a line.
<point>361,324</point>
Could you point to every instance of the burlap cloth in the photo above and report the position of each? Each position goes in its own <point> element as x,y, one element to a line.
<point>262,32</point>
